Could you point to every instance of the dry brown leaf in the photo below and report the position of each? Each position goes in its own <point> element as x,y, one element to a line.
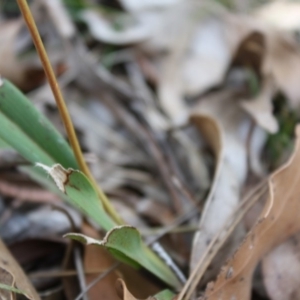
<point>281,270</point>
<point>226,127</point>
<point>12,274</point>
<point>261,108</point>
<point>278,221</point>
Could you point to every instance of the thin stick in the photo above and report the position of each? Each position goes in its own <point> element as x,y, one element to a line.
<point>62,106</point>
<point>80,272</point>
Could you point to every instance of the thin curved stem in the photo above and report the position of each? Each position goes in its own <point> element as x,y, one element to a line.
<point>64,113</point>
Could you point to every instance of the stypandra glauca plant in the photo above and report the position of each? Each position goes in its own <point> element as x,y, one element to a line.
<point>29,132</point>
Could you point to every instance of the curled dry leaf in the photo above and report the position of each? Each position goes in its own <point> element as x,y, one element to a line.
<point>226,126</point>
<point>281,59</point>
<point>12,275</point>
<point>281,270</point>
<point>278,221</point>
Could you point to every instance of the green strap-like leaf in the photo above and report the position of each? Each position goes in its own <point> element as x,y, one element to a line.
<point>12,134</point>
<point>164,295</point>
<point>81,193</point>
<point>125,243</point>
<point>4,145</point>
<point>28,131</point>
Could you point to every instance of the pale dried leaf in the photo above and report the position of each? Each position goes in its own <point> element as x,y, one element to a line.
<point>207,57</point>
<point>170,86</point>
<point>58,173</point>
<point>225,125</point>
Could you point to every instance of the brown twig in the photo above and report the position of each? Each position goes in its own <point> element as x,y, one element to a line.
<point>62,273</point>
<point>62,106</point>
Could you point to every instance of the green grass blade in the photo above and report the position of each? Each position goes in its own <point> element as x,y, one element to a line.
<point>28,131</point>
<point>126,244</point>
<point>13,135</point>
<point>164,295</point>
<point>81,193</point>
<point>4,145</point>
